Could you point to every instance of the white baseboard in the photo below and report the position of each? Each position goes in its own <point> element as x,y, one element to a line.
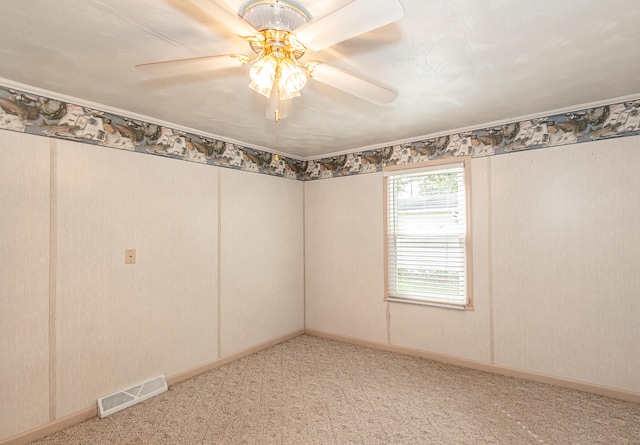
<point>52,427</point>
<point>176,378</point>
<point>606,391</point>
<point>88,413</point>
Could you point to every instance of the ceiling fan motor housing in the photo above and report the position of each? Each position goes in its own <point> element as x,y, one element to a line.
<point>276,15</point>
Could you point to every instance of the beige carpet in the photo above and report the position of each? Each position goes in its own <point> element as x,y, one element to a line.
<point>316,391</point>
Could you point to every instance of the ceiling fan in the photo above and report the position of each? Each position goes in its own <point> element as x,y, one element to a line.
<point>281,34</point>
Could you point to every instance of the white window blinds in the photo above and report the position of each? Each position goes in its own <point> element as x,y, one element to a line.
<point>426,235</point>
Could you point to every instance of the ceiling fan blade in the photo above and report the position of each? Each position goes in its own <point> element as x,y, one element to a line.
<point>193,65</point>
<point>350,83</point>
<point>225,14</point>
<point>351,20</point>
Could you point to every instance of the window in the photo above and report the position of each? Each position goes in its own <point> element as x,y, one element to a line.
<point>427,236</point>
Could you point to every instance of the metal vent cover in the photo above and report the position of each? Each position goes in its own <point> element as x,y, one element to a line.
<point>123,399</point>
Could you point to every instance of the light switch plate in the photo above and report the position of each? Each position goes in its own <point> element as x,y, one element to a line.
<point>130,256</point>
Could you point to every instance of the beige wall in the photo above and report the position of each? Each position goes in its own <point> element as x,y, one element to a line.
<point>565,256</point>
<point>262,259</point>
<point>24,282</point>
<point>225,258</point>
<point>344,257</point>
<point>116,324</point>
<point>555,253</point>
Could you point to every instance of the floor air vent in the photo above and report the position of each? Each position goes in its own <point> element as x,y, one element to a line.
<point>122,399</point>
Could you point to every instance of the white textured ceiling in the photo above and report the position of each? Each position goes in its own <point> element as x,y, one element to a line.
<point>454,64</point>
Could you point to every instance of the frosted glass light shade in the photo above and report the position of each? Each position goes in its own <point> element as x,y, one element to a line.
<point>263,73</point>
<point>292,79</point>
<point>265,91</point>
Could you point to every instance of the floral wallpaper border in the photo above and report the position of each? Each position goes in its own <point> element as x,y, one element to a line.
<point>33,114</point>
<point>603,122</point>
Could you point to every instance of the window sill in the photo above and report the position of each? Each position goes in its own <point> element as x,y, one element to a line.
<point>456,306</point>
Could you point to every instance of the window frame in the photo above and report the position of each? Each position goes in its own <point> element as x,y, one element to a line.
<point>407,169</point>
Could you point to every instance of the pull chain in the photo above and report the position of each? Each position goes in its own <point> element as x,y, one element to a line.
<point>276,115</point>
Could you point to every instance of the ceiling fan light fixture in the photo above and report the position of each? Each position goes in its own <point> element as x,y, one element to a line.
<point>265,91</point>
<point>291,79</point>
<point>277,68</point>
<point>263,73</point>
<point>287,94</point>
